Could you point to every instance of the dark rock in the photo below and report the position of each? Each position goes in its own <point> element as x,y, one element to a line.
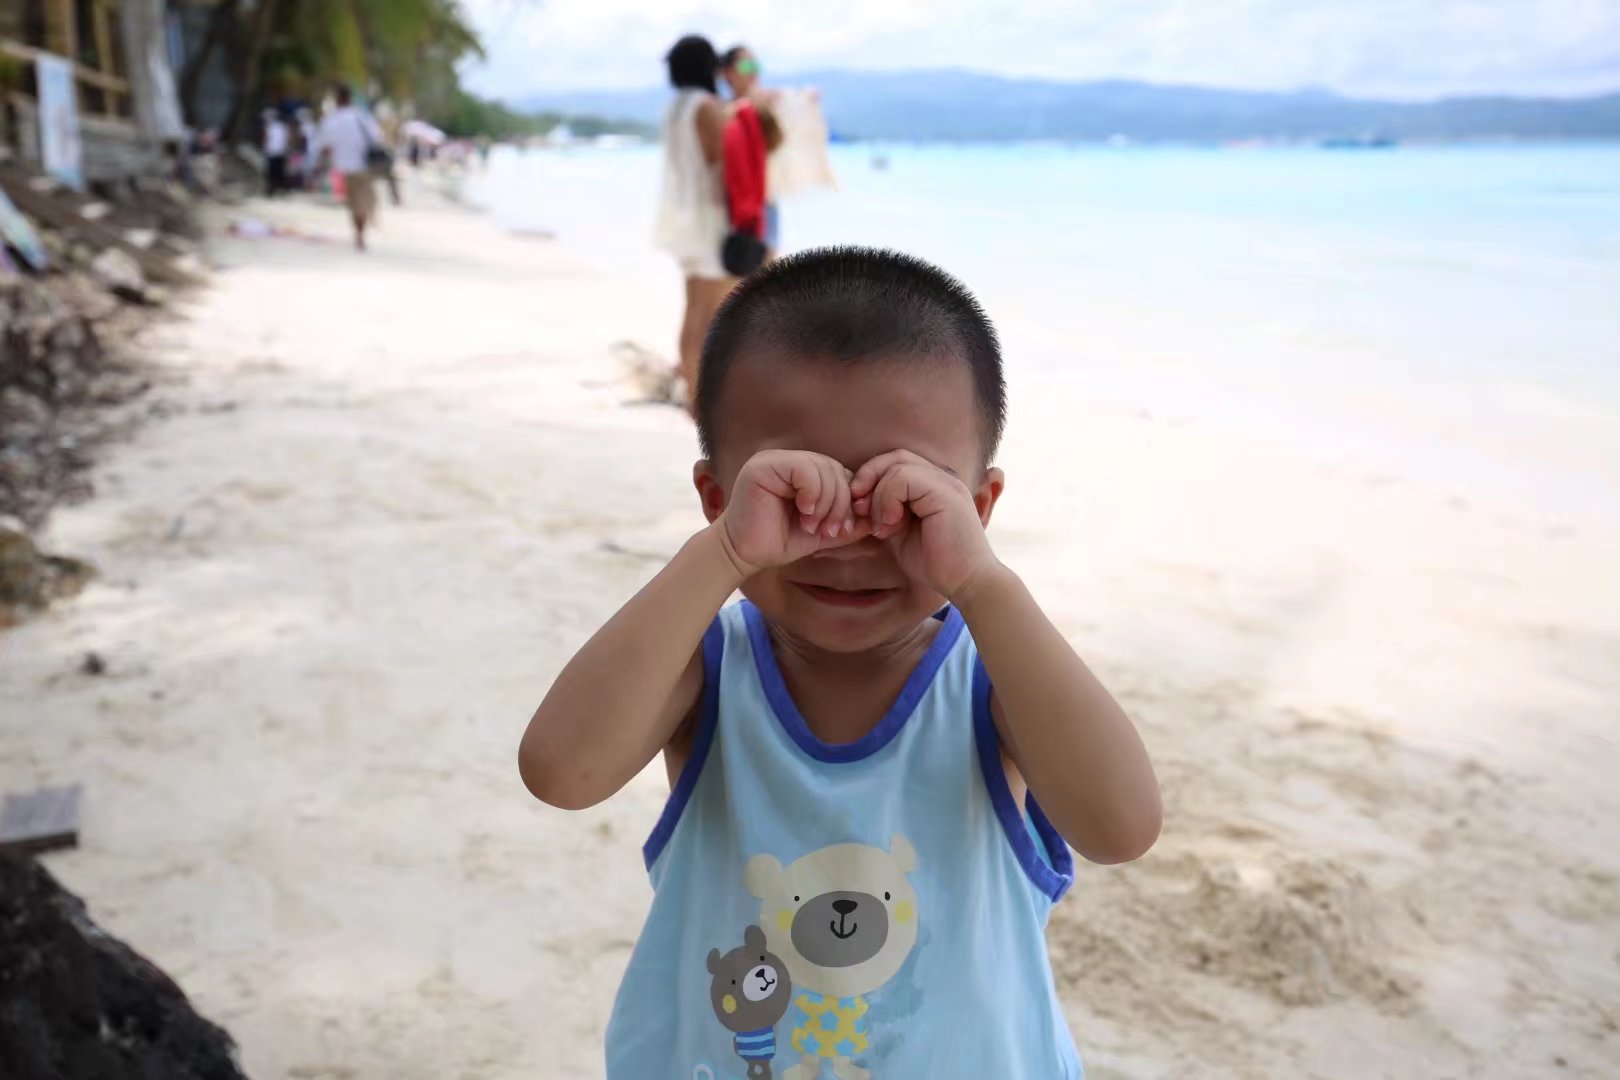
<point>93,664</point>
<point>121,275</point>
<point>22,408</point>
<point>56,372</point>
<point>29,579</point>
<point>77,1004</point>
<point>65,333</point>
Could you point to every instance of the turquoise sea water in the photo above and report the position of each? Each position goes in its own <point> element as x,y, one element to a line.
<point>1375,302</point>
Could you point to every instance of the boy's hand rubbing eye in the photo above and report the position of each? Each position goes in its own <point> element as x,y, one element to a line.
<point>786,505</point>
<point>928,518</point>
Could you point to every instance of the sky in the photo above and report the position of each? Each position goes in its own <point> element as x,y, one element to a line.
<point>1374,48</point>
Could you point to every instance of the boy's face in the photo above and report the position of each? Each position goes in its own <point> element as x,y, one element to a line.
<point>851,413</point>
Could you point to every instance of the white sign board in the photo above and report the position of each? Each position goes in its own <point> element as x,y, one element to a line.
<point>59,146</point>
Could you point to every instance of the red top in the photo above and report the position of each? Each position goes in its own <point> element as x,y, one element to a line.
<point>744,168</point>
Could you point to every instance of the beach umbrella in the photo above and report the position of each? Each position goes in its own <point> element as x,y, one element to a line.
<point>423,132</point>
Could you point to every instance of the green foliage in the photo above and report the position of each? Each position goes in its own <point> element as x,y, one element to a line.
<point>406,50</point>
<point>470,116</point>
<point>403,50</point>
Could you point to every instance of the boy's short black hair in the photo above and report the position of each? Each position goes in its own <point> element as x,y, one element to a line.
<point>852,305</point>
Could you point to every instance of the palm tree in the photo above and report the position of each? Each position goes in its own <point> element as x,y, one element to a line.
<point>403,49</point>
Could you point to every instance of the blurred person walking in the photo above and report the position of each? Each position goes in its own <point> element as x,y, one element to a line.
<point>347,137</point>
<point>691,219</point>
<point>308,137</point>
<point>277,146</point>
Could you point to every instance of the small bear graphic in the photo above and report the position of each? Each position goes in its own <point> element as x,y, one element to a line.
<point>750,992</point>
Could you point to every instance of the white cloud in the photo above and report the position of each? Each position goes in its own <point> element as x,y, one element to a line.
<point>1399,48</point>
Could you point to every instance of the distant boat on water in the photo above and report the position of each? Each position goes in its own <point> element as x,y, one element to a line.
<point>1364,142</point>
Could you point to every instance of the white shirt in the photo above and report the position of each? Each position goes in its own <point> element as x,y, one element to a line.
<point>691,223</point>
<point>347,132</point>
<point>275,138</point>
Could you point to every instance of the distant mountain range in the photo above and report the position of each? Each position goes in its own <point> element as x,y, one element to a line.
<point>961,105</point>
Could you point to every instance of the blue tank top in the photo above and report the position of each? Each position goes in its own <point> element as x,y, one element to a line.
<point>877,904</point>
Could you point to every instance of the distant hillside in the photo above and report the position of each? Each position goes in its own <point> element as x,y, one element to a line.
<point>952,105</point>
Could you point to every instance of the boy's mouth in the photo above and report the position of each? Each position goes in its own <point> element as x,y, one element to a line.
<point>836,597</point>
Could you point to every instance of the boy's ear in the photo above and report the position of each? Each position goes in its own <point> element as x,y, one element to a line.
<point>986,494</point>
<point>710,493</point>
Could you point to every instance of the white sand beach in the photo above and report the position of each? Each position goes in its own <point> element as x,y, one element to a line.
<point>388,495</point>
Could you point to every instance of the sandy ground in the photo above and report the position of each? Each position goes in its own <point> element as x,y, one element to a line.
<point>392,493</point>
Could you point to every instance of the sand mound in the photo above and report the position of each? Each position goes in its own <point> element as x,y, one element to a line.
<point>1304,933</point>
<point>649,377</point>
<point>1299,931</point>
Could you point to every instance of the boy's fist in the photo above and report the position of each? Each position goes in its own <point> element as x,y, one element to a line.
<point>785,505</point>
<point>926,515</point>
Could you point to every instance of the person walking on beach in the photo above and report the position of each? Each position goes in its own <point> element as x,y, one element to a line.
<point>692,221</point>
<point>308,139</point>
<point>346,137</point>
<point>277,144</point>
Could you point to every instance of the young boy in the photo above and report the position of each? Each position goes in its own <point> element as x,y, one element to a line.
<point>877,757</point>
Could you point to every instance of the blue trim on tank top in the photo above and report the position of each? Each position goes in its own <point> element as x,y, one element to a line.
<point>1053,874</point>
<point>714,648</point>
<point>792,720</point>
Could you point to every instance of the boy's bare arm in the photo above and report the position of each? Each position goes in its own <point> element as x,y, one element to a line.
<point>623,696</point>
<point>1075,746</point>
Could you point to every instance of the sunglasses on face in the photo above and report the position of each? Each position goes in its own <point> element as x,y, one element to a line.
<point>746,66</point>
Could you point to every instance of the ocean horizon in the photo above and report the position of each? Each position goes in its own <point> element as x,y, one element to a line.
<point>1447,311</point>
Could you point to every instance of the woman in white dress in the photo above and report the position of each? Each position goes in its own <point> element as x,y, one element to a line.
<point>692,221</point>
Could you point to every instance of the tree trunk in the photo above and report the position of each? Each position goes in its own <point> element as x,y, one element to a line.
<point>247,91</point>
<point>151,79</point>
<point>191,76</point>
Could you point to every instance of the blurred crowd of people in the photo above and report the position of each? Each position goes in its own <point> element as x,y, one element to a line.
<point>336,145</point>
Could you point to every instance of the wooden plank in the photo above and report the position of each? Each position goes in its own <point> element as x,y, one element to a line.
<point>62,29</point>
<point>103,80</point>
<point>20,51</point>
<point>82,73</point>
<point>104,56</point>
<point>42,820</point>
<point>105,61</point>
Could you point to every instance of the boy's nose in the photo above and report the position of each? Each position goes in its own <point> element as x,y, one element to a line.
<point>860,549</point>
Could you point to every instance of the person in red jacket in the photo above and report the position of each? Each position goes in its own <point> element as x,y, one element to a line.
<point>744,170</point>
<point>740,69</point>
